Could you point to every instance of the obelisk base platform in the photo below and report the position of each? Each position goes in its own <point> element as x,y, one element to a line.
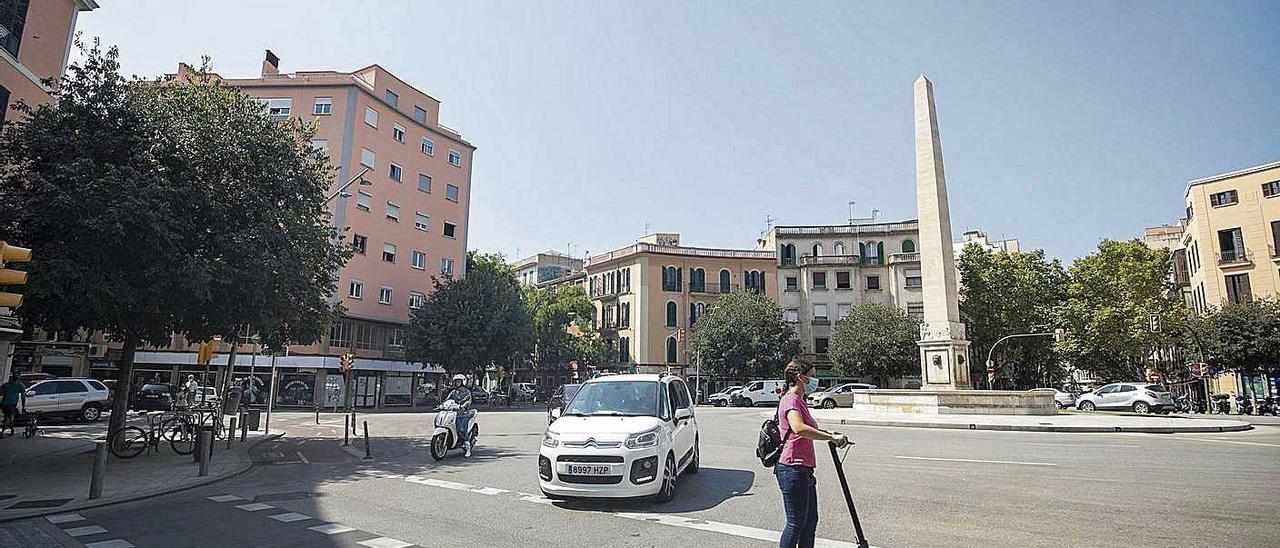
<point>954,402</point>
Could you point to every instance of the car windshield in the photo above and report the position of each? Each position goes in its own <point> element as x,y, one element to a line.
<point>570,390</point>
<point>619,398</point>
<point>155,388</point>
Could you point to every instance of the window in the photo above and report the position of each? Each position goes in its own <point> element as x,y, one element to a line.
<point>450,230</point>
<point>624,315</point>
<point>915,310</point>
<point>1238,288</point>
<point>420,114</point>
<point>843,280</point>
<point>420,220</point>
<point>672,314</point>
<point>446,266</point>
<point>820,345</point>
<point>914,281</point>
<point>451,193</point>
<point>842,310</point>
<point>359,243</point>
<point>838,249</point>
<point>371,116</point>
<point>323,106</point>
<point>13,18</point>
<point>819,280</point>
<point>791,315</point>
<point>1275,238</point>
<point>788,255</point>
<point>725,282</point>
<point>817,250</point>
<point>753,280</point>
<point>624,349</point>
<point>671,278</point>
<point>355,289</point>
<point>393,211</point>
<point>418,260</point>
<point>278,108</point>
<point>367,158</point>
<point>455,158</point>
<point>397,132</point>
<point>416,300</point>
<point>424,183</point>
<point>671,350</point>
<point>396,173</point>
<point>1224,198</point>
<point>820,312</point>
<point>873,282</point>
<point>396,340</point>
<point>393,99</point>
<point>384,295</point>
<point>320,144</point>
<point>1231,246</point>
<point>792,283</point>
<point>1271,189</point>
<point>908,246</point>
<point>697,280</point>
<point>389,252</point>
<point>364,200</point>
<point>428,147</point>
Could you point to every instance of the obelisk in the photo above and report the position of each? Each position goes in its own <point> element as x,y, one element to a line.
<point>944,352</point>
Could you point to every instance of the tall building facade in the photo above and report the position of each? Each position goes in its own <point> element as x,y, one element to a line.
<point>826,270</point>
<point>648,296</point>
<point>35,42</point>
<point>544,267</point>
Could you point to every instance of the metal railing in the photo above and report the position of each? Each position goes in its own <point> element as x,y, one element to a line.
<point>1233,256</point>
<point>830,260</point>
<point>644,247</point>
<point>713,288</point>
<point>904,258</point>
<point>877,228</point>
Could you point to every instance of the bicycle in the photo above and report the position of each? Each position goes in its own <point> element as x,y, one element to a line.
<point>131,441</point>
<point>33,426</point>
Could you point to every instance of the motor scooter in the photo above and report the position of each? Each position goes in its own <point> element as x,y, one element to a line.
<point>445,436</point>
<point>1244,405</point>
<point>1222,404</point>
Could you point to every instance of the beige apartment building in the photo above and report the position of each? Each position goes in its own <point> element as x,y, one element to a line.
<point>1232,248</point>
<point>544,267</point>
<point>649,296</point>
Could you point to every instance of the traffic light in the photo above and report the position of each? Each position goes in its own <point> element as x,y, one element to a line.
<point>206,353</point>
<point>346,362</point>
<point>12,254</point>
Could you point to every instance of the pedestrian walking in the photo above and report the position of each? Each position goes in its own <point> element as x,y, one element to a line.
<point>11,393</point>
<point>797,461</point>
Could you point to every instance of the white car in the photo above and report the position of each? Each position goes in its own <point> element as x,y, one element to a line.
<point>760,392</point>
<point>837,396</point>
<point>621,436</point>
<point>723,397</point>
<point>84,399</point>
<point>1141,397</point>
<point>1060,399</point>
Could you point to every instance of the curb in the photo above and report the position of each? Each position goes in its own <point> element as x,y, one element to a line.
<point>100,503</point>
<point>1241,427</point>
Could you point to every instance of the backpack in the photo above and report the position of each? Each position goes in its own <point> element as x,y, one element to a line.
<point>770,443</point>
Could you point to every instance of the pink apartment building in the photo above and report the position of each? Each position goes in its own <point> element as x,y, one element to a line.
<point>35,42</point>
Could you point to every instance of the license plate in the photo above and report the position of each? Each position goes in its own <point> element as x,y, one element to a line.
<point>589,469</point>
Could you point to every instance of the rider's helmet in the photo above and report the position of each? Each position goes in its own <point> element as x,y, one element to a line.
<point>459,380</point>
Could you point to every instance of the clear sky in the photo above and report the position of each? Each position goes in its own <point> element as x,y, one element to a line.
<point>1062,123</point>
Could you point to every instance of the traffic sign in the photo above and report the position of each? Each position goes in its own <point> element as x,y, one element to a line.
<point>1154,323</point>
<point>1198,369</point>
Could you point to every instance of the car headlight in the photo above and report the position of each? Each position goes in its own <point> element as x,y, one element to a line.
<point>643,439</point>
<point>550,439</point>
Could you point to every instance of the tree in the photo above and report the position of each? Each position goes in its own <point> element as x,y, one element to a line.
<point>742,335</point>
<point>1243,337</point>
<point>876,340</point>
<point>552,313</point>
<point>1013,293</point>
<point>471,322</point>
<point>1111,297</point>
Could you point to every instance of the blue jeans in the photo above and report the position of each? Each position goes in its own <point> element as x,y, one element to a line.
<point>800,498</point>
<point>464,425</point>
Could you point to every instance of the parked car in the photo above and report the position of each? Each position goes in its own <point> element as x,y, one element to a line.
<point>837,396</point>
<point>1141,397</point>
<point>1060,399</point>
<point>83,399</point>
<point>32,378</point>
<point>723,397</point>
<point>479,396</point>
<point>621,436</point>
<point>564,394</point>
<point>154,397</point>
<point>760,392</point>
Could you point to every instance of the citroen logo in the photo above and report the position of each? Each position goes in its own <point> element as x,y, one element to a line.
<point>591,442</point>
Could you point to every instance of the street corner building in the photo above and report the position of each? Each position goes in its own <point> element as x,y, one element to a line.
<point>406,216</point>
<point>36,39</point>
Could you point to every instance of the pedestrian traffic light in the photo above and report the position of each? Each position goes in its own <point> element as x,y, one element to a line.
<point>12,254</point>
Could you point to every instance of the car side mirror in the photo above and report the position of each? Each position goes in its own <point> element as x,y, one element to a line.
<point>555,412</point>
<point>684,413</point>
<point>30,393</point>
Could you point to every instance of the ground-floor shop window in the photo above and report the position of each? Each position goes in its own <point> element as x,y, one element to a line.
<point>296,389</point>
<point>397,388</point>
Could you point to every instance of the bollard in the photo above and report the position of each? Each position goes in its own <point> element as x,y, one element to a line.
<point>195,456</point>
<point>244,428</point>
<point>366,441</point>
<point>346,432</point>
<point>231,432</point>
<point>205,441</point>
<point>99,470</point>
<point>317,414</point>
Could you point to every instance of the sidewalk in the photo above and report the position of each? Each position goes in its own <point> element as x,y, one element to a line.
<point>1063,422</point>
<point>51,473</point>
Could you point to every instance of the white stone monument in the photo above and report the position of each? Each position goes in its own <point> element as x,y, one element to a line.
<point>944,352</point>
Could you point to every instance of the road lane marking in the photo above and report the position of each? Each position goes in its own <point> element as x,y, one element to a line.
<point>113,543</point>
<point>488,490</point>
<point>224,498</point>
<point>977,461</point>
<point>84,531</point>
<point>254,507</point>
<point>385,542</point>
<point>289,517</point>
<point>1254,443</point>
<point>331,528</point>
<point>1086,445</point>
<point>64,518</point>
<point>303,458</point>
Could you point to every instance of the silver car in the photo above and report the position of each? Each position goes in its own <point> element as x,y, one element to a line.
<point>1141,397</point>
<point>84,399</point>
<point>837,396</point>
<point>723,397</point>
<point>1060,399</point>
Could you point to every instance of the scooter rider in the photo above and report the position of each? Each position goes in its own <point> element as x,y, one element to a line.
<point>462,396</point>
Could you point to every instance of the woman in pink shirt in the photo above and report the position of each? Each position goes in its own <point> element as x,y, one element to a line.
<point>795,466</point>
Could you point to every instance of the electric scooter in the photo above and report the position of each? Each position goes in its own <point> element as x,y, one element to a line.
<point>445,436</point>
<point>848,499</point>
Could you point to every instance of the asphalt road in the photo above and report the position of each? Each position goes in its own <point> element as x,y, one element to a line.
<point>914,487</point>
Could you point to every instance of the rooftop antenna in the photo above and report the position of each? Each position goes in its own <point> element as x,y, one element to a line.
<point>569,247</point>
<point>647,227</point>
<point>851,202</point>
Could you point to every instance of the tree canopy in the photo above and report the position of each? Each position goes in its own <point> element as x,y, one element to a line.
<point>562,325</point>
<point>742,335</point>
<point>876,340</point>
<point>1243,337</point>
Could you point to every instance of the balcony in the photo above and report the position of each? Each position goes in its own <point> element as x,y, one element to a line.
<point>846,230</point>
<point>1233,257</point>
<point>610,294</point>
<point>830,260</point>
<point>821,320</point>
<point>713,289</point>
<point>896,258</point>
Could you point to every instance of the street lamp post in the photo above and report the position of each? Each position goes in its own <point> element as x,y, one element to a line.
<point>1057,334</point>
<point>342,190</point>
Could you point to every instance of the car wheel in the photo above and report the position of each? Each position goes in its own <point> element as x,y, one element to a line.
<point>1057,404</point>
<point>439,446</point>
<point>1087,406</point>
<point>746,402</point>
<point>1142,408</point>
<point>828,404</point>
<point>90,413</point>
<point>692,467</point>
<point>719,403</point>
<point>668,491</point>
